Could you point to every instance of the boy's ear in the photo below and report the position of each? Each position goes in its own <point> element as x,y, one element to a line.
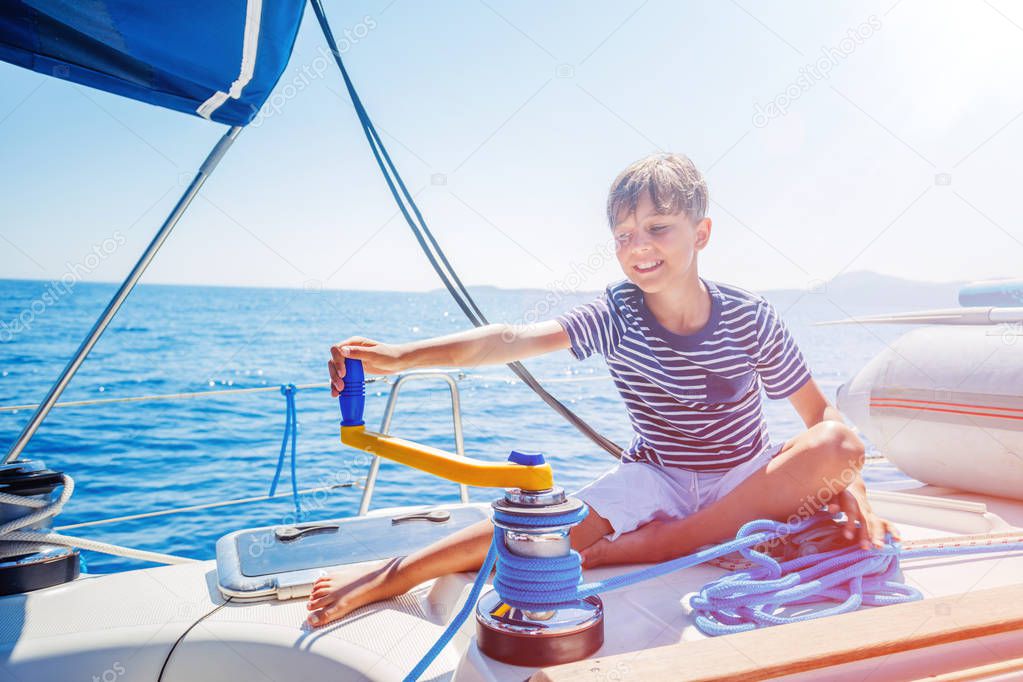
<point>703,233</point>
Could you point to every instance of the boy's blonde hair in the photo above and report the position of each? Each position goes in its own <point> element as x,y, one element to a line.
<point>672,180</point>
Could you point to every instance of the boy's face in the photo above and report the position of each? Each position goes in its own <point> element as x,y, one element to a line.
<point>657,251</point>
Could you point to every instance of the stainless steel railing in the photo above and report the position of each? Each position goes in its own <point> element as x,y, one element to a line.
<point>385,425</point>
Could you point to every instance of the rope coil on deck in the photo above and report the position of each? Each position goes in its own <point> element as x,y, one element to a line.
<point>745,600</point>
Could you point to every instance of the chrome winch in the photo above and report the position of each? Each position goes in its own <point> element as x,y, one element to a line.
<point>520,636</point>
<point>27,487</point>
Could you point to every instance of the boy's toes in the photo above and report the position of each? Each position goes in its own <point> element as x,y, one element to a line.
<point>323,616</point>
<point>319,590</point>
<point>320,602</point>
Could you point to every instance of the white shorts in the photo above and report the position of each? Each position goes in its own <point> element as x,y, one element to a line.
<point>634,493</point>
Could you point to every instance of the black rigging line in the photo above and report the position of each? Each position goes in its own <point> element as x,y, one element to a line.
<point>432,249</point>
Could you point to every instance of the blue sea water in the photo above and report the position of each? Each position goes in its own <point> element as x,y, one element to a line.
<point>138,457</point>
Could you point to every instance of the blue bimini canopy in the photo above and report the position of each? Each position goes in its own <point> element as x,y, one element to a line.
<point>218,59</point>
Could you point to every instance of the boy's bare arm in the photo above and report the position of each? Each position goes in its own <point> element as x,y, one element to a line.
<point>493,344</point>
<point>812,406</point>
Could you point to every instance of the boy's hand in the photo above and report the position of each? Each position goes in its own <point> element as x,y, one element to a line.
<point>377,358</point>
<point>872,528</point>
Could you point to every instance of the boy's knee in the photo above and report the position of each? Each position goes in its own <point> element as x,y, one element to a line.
<point>839,446</point>
<point>590,530</point>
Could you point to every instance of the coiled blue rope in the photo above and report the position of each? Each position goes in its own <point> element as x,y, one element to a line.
<point>736,602</point>
<point>537,584</point>
<point>748,599</point>
<point>290,431</point>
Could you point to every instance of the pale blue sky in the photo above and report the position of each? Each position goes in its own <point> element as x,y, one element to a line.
<point>527,111</point>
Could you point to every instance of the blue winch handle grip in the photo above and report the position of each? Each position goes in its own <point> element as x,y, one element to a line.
<point>353,396</point>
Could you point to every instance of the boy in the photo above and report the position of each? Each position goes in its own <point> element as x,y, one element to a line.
<point>689,358</point>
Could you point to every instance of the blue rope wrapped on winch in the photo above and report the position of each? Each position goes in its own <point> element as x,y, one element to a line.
<point>537,584</point>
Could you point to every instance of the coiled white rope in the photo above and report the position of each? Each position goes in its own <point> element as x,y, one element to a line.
<point>14,541</point>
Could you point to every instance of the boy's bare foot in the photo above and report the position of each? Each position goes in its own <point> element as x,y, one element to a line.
<point>337,594</point>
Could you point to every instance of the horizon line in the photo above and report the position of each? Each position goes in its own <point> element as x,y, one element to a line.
<point>320,287</point>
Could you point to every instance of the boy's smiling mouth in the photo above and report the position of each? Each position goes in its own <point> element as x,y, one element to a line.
<point>649,266</point>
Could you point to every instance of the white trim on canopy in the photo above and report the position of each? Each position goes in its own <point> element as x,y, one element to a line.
<point>250,46</point>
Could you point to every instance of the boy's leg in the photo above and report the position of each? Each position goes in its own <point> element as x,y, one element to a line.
<point>335,595</point>
<point>809,471</point>
<point>805,475</point>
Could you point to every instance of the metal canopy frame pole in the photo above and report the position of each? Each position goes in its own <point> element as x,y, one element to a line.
<point>212,159</point>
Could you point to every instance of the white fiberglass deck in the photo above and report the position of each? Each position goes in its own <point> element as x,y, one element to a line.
<point>122,626</point>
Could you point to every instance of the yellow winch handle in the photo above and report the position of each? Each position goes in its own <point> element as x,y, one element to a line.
<point>463,470</point>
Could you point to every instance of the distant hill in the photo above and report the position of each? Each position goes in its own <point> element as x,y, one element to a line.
<point>864,288</point>
<point>856,289</point>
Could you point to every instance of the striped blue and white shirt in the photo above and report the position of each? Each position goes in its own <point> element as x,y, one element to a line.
<point>693,400</point>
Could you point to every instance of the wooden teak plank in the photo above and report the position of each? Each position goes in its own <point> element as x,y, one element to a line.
<point>813,645</point>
